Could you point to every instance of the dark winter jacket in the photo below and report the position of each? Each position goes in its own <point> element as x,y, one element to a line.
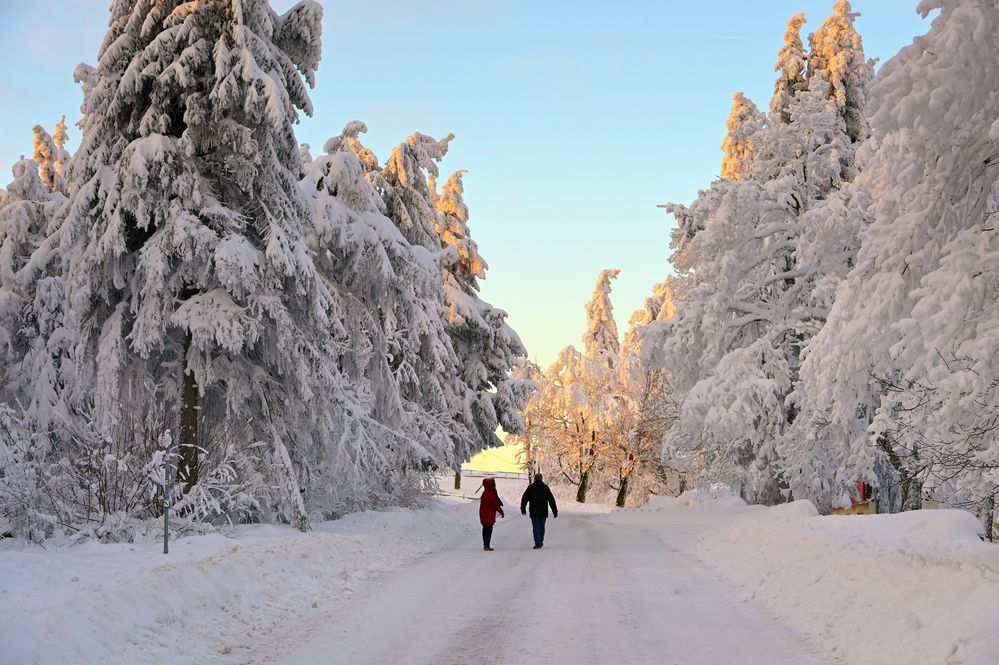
<point>490,503</point>
<point>539,496</point>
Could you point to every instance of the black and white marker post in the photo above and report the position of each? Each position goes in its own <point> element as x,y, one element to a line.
<point>165,443</point>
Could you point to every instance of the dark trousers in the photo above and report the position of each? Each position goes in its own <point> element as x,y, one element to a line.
<point>487,534</point>
<point>539,529</point>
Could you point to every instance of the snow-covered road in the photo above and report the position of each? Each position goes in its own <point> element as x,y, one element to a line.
<point>700,579</point>
<point>606,588</point>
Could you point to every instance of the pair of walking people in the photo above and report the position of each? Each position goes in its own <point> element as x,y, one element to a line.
<point>538,496</point>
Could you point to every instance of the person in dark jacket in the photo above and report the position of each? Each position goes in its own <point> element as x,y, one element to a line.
<point>490,506</point>
<point>539,496</point>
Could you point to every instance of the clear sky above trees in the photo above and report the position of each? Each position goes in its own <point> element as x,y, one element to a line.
<point>574,119</point>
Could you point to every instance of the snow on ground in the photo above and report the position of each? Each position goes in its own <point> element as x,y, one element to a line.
<point>602,590</point>
<point>697,580</point>
<point>916,588</point>
<point>213,599</point>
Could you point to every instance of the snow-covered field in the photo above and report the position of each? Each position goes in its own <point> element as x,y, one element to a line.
<point>701,579</point>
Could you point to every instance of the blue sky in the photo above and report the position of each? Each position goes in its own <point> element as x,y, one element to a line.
<point>574,119</point>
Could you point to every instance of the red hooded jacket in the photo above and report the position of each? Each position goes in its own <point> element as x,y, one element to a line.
<point>490,503</point>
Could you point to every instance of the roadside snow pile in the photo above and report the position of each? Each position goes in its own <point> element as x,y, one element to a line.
<point>716,496</point>
<point>213,599</point>
<point>917,587</point>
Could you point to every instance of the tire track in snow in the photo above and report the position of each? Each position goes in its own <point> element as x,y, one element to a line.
<point>605,588</point>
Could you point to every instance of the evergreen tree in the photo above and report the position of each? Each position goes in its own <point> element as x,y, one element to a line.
<point>51,157</point>
<point>731,348</point>
<point>599,379</point>
<point>26,306</point>
<point>59,137</point>
<point>744,120</point>
<point>837,55</point>
<point>901,382</point>
<point>761,254</point>
<point>189,279</point>
<point>486,347</point>
<point>398,353</point>
<point>601,345</point>
<point>790,66</point>
<point>405,187</point>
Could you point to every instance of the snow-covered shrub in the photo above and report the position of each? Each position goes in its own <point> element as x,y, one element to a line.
<point>82,482</point>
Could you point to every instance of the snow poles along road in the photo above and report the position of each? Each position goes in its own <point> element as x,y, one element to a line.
<point>165,442</point>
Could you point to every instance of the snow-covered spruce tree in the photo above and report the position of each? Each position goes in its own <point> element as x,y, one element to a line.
<point>33,344</point>
<point>60,136</point>
<point>744,121</point>
<point>830,222</point>
<point>904,372</point>
<point>837,55</point>
<point>404,184</point>
<point>23,221</point>
<point>601,346</point>
<point>31,295</point>
<point>398,354</point>
<point>790,65</point>
<point>51,157</point>
<point>600,378</point>
<point>486,347</point>
<point>719,349</point>
<point>815,147</point>
<point>730,348</point>
<point>762,256</point>
<point>189,281</point>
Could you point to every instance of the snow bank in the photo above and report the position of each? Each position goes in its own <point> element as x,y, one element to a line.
<point>213,599</point>
<point>717,496</point>
<point>916,588</point>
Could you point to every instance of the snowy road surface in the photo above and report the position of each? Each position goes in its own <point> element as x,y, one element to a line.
<point>605,589</point>
<point>699,579</point>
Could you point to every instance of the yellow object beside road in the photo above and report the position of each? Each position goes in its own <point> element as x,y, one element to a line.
<point>865,508</point>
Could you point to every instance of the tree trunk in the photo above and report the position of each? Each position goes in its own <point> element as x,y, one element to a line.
<point>622,493</point>
<point>910,487</point>
<point>288,478</point>
<point>187,467</point>
<point>584,479</point>
<point>457,479</point>
<point>989,515</point>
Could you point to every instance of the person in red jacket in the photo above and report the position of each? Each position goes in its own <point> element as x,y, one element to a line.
<point>489,506</point>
